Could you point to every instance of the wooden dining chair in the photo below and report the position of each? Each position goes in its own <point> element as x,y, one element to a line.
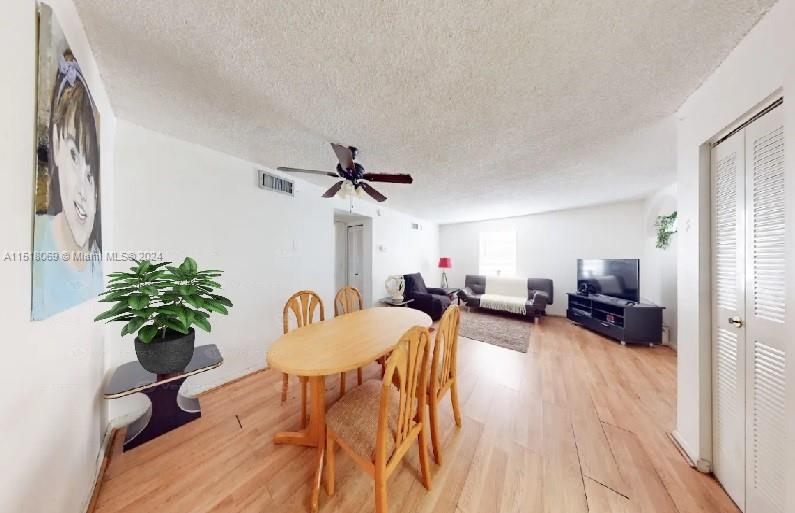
<point>377,423</point>
<point>303,305</point>
<point>443,374</point>
<point>348,299</point>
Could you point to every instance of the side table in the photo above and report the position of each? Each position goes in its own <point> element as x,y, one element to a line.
<point>388,301</point>
<point>452,293</point>
<point>168,409</point>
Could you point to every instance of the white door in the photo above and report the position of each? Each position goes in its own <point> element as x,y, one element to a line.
<point>340,254</point>
<point>749,305</point>
<point>765,321</point>
<point>728,293</point>
<point>355,256</point>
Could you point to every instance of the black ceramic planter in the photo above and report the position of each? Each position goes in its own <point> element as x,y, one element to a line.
<point>166,355</point>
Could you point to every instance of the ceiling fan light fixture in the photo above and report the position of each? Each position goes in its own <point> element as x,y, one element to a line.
<point>346,190</point>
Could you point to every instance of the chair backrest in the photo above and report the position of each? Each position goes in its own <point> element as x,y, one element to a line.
<point>303,304</point>
<point>476,283</point>
<point>406,369</point>
<point>543,285</point>
<point>445,349</point>
<point>347,300</point>
<point>415,284</point>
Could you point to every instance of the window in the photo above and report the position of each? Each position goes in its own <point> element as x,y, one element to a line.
<point>498,253</point>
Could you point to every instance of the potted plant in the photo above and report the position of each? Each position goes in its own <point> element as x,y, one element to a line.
<point>161,303</point>
<point>666,226</point>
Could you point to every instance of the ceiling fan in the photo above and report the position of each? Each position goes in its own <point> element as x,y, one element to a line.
<point>354,177</point>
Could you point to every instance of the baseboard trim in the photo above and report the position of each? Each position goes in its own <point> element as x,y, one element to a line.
<point>702,465</point>
<point>104,459</point>
<point>232,381</point>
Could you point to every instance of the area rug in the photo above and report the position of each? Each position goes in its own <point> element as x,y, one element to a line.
<point>499,329</point>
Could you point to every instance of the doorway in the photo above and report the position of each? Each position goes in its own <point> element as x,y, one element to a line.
<point>353,253</point>
<point>749,302</point>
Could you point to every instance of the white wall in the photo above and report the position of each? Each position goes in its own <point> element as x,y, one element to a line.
<point>51,371</point>
<point>184,199</point>
<point>761,65</point>
<point>549,244</point>
<point>658,266</point>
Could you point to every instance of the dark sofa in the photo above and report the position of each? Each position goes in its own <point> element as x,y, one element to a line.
<point>432,301</point>
<point>539,294</point>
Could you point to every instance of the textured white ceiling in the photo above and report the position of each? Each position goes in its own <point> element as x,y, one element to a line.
<point>496,107</point>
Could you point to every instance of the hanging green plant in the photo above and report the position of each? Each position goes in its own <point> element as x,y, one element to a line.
<point>666,226</point>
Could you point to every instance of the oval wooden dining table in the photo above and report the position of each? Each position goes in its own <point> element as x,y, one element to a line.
<point>330,347</point>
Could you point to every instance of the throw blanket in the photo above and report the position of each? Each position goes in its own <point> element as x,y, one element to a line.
<point>506,294</point>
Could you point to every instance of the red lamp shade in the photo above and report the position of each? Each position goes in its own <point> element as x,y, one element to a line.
<point>445,263</point>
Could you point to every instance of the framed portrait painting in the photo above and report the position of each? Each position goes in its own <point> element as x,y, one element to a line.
<point>67,221</point>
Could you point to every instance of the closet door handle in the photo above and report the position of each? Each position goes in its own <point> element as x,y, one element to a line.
<point>736,321</point>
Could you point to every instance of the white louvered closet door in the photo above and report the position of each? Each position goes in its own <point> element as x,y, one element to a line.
<point>728,293</point>
<point>749,315</point>
<point>766,305</point>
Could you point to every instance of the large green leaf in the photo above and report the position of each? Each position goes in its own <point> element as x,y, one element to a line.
<point>122,317</point>
<point>221,299</point>
<point>117,295</point>
<point>138,301</point>
<point>202,323</point>
<point>149,290</point>
<point>147,312</point>
<point>171,310</point>
<point>115,310</point>
<point>147,333</point>
<point>132,326</point>
<point>187,290</point>
<point>174,324</point>
<point>211,304</point>
<point>190,265</point>
<point>195,301</point>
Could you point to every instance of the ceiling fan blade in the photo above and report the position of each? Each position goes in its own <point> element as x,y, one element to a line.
<point>333,190</point>
<point>372,192</point>
<point>344,155</point>
<point>310,171</point>
<point>388,177</point>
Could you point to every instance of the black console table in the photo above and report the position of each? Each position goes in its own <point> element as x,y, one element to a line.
<point>168,409</point>
<point>625,321</point>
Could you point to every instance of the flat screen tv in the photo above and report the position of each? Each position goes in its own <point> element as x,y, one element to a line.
<point>611,277</point>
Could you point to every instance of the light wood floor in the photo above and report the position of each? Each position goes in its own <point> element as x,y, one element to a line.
<point>578,424</point>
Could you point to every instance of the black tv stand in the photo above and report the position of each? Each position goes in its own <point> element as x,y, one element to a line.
<point>625,321</point>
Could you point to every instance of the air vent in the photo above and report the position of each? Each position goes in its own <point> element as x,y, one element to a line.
<point>274,183</point>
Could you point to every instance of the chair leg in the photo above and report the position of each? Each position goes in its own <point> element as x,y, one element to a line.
<point>426,471</point>
<point>359,379</point>
<point>330,443</point>
<point>380,491</point>
<point>342,383</point>
<point>434,415</point>
<point>285,384</point>
<point>303,402</point>
<point>454,400</point>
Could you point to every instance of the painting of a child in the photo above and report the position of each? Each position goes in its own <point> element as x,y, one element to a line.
<point>67,234</point>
